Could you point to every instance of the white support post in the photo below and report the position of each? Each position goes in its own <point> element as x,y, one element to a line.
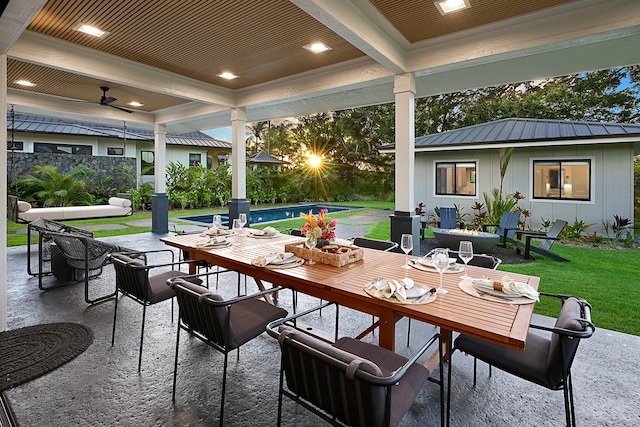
<point>3,194</point>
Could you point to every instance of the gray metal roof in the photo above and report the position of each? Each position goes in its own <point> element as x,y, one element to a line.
<point>262,157</point>
<point>522,131</point>
<point>39,124</point>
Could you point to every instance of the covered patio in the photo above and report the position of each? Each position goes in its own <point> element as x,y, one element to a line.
<point>101,387</point>
<point>171,55</point>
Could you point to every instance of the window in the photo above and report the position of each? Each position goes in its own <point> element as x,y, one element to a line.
<point>456,178</point>
<point>115,151</point>
<point>15,146</point>
<point>147,160</point>
<point>41,147</point>
<point>195,159</point>
<point>562,179</point>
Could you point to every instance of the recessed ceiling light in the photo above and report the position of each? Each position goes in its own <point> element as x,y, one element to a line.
<point>316,47</point>
<point>25,83</point>
<point>448,6</point>
<point>135,104</point>
<point>91,30</point>
<point>227,75</point>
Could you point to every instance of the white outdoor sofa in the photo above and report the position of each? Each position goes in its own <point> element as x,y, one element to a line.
<point>21,211</point>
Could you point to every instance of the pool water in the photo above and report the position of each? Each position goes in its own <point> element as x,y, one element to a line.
<point>271,214</point>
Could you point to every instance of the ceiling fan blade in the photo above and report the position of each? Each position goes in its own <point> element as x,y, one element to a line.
<point>106,100</point>
<point>119,108</point>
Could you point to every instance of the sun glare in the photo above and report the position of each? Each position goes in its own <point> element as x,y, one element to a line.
<point>314,161</point>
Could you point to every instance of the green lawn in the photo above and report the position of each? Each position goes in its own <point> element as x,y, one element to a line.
<point>607,278</point>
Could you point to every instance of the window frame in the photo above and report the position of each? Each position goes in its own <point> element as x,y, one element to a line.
<point>144,164</point>
<point>560,181</point>
<point>199,161</point>
<point>473,178</point>
<point>59,148</point>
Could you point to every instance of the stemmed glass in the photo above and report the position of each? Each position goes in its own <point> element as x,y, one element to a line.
<point>217,221</point>
<point>243,221</point>
<point>440,259</point>
<point>465,252</point>
<point>407,246</point>
<point>310,242</point>
<point>237,226</point>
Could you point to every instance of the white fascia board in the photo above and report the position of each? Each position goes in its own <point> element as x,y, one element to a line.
<point>334,79</point>
<point>357,24</point>
<point>50,52</point>
<point>559,28</point>
<point>528,144</point>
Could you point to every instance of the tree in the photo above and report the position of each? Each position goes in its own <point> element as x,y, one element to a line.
<point>52,188</point>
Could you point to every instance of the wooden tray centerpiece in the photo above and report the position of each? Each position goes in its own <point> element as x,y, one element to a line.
<point>336,255</point>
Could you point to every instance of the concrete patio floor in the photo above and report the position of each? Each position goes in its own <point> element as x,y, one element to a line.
<point>102,387</point>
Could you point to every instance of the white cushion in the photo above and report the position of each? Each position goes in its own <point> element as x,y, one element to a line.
<point>117,201</point>
<point>23,206</point>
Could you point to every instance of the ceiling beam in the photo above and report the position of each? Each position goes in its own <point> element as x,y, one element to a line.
<point>50,52</point>
<point>356,25</point>
<point>15,18</point>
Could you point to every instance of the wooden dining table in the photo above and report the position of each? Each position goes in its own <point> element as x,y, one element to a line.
<point>456,311</point>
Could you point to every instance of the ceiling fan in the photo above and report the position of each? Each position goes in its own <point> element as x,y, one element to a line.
<point>107,100</point>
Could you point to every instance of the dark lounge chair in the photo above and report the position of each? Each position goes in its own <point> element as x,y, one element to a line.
<point>548,239</point>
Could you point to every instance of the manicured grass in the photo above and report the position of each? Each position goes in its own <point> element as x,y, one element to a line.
<point>607,278</point>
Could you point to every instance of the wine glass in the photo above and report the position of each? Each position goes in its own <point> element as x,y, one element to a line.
<point>217,221</point>
<point>310,242</point>
<point>237,226</point>
<point>407,246</point>
<point>440,259</point>
<point>465,252</point>
<point>243,220</point>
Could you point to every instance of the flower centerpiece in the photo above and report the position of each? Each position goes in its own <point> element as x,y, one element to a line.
<point>323,227</point>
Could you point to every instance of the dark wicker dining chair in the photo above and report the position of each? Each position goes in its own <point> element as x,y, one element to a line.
<point>349,382</point>
<point>224,325</point>
<point>546,360</point>
<point>133,279</point>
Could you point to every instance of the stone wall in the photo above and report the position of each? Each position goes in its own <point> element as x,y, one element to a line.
<point>21,164</point>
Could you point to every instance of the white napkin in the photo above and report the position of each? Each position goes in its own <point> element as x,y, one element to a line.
<point>281,258</point>
<point>210,241</point>
<point>509,287</point>
<point>392,288</point>
<point>267,231</point>
<point>213,231</point>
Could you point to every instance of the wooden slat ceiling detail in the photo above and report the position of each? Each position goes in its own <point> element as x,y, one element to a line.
<point>255,39</point>
<point>419,19</point>
<point>78,87</point>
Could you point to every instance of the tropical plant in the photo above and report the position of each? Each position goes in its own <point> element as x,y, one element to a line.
<point>577,229</point>
<point>49,187</point>
<point>497,205</point>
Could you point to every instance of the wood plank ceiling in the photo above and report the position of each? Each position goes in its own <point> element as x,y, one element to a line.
<point>259,40</point>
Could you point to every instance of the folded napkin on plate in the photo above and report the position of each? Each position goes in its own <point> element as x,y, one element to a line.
<point>210,241</point>
<point>508,286</point>
<point>267,231</point>
<point>213,231</point>
<point>281,258</point>
<point>383,288</point>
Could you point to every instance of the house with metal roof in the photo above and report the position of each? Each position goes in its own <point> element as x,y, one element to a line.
<point>31,139</point>
<point>565,169</point>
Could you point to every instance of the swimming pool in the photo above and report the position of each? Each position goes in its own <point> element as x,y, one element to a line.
<point>258,216</point>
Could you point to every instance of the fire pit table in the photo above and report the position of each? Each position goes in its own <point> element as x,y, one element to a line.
<point>483,242</point>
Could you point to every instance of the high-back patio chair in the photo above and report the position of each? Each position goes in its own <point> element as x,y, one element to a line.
<point>349,381</point>
<point>224,325</point>
<point>145,283</point>
<point>547,240</point>
<point>546,360</point>
<point>86,257</point>
<point>506,228</point>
